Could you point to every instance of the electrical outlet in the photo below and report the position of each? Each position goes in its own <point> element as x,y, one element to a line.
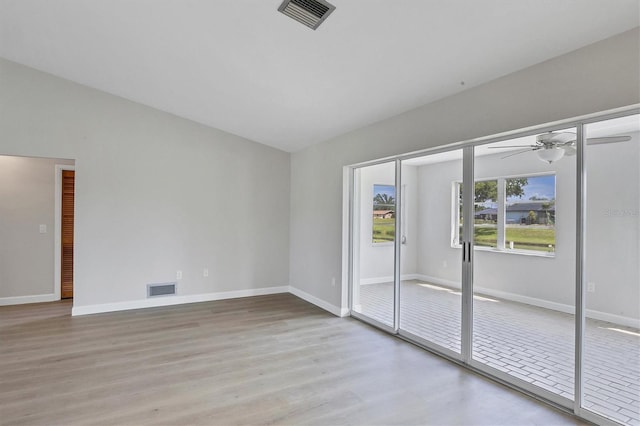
<point>333,282</point>
<point>205,272</point>
<point>591,287</point>
<point>178,275</point>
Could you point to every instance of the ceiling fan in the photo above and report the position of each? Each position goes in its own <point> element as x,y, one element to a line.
<point>552,146</point>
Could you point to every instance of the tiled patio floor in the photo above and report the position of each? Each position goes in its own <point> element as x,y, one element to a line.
<point>528,342</point>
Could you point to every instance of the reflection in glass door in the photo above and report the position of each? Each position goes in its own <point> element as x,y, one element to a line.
<point>611,348</point>
<point>524,262</point>
<point>373,234</point>
<point>430,291</point>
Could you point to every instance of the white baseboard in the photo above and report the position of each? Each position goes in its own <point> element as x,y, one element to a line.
<point>615,319</point>
<point>439,281</point>
<point>560,307</point>
<point>178,300</point>
<point>376,280</point>
<point>389,279</point>
<point>174,300</point>
<point>20,300</point>
<point>340,312</point>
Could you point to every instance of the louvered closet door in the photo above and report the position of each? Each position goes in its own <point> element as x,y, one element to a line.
<point>68,190</point>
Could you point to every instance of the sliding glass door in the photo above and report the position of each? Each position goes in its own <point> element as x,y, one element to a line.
<point>611,348</point>
<point>373,235</point>
<point>524,261</point>
<point>519,257</point>
<point>431,280</point>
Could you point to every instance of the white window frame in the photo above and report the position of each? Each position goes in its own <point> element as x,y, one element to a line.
<point>501,223</point>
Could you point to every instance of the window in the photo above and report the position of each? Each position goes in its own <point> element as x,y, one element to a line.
<point>485,213</point>
<point>384,213</point>
<point>511,213</point>
<point>530,217</point>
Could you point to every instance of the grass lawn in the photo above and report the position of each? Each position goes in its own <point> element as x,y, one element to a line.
<point>527,237</point>
<point>384,230</point>
<point>485,235</point>
<point>524,237</point>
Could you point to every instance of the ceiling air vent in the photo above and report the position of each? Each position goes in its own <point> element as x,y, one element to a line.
<point>308,12</point>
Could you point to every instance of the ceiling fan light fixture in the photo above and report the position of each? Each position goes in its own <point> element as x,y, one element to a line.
<point>550,154</point>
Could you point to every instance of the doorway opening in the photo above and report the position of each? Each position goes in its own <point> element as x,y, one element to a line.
<point>64,239</point>
<point>30,226</point>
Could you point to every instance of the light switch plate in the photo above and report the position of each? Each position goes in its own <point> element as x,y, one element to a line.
<point>43,229</point>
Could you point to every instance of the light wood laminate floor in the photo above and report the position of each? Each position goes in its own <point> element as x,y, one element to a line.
<point>261,360</point>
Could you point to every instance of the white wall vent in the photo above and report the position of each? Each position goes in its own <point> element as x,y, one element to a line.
<point>162,289</point>
<point>308,12</point>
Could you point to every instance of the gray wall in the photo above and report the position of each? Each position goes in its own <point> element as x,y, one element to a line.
<point>27,187</point>
<point>613,227</point>
<point>154,193</point>
<point>596,78</point>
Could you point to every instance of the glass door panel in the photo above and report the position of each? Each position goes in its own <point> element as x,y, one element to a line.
<point>430,291</point>
<point>611,349</point>
<point>524,261</point>
<point>373,236</point>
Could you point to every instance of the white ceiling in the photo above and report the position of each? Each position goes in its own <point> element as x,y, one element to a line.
<point>243,67</point>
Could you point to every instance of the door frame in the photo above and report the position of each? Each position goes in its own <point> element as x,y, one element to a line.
<point>57,256</point>
<point>465,358</point>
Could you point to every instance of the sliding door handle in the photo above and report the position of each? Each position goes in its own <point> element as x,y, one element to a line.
<point>466,251</point>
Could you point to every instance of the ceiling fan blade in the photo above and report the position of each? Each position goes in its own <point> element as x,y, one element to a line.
<point>608,139</point>
<point>563,137</point>
<point>513,146</point>
<point>517,153</point>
